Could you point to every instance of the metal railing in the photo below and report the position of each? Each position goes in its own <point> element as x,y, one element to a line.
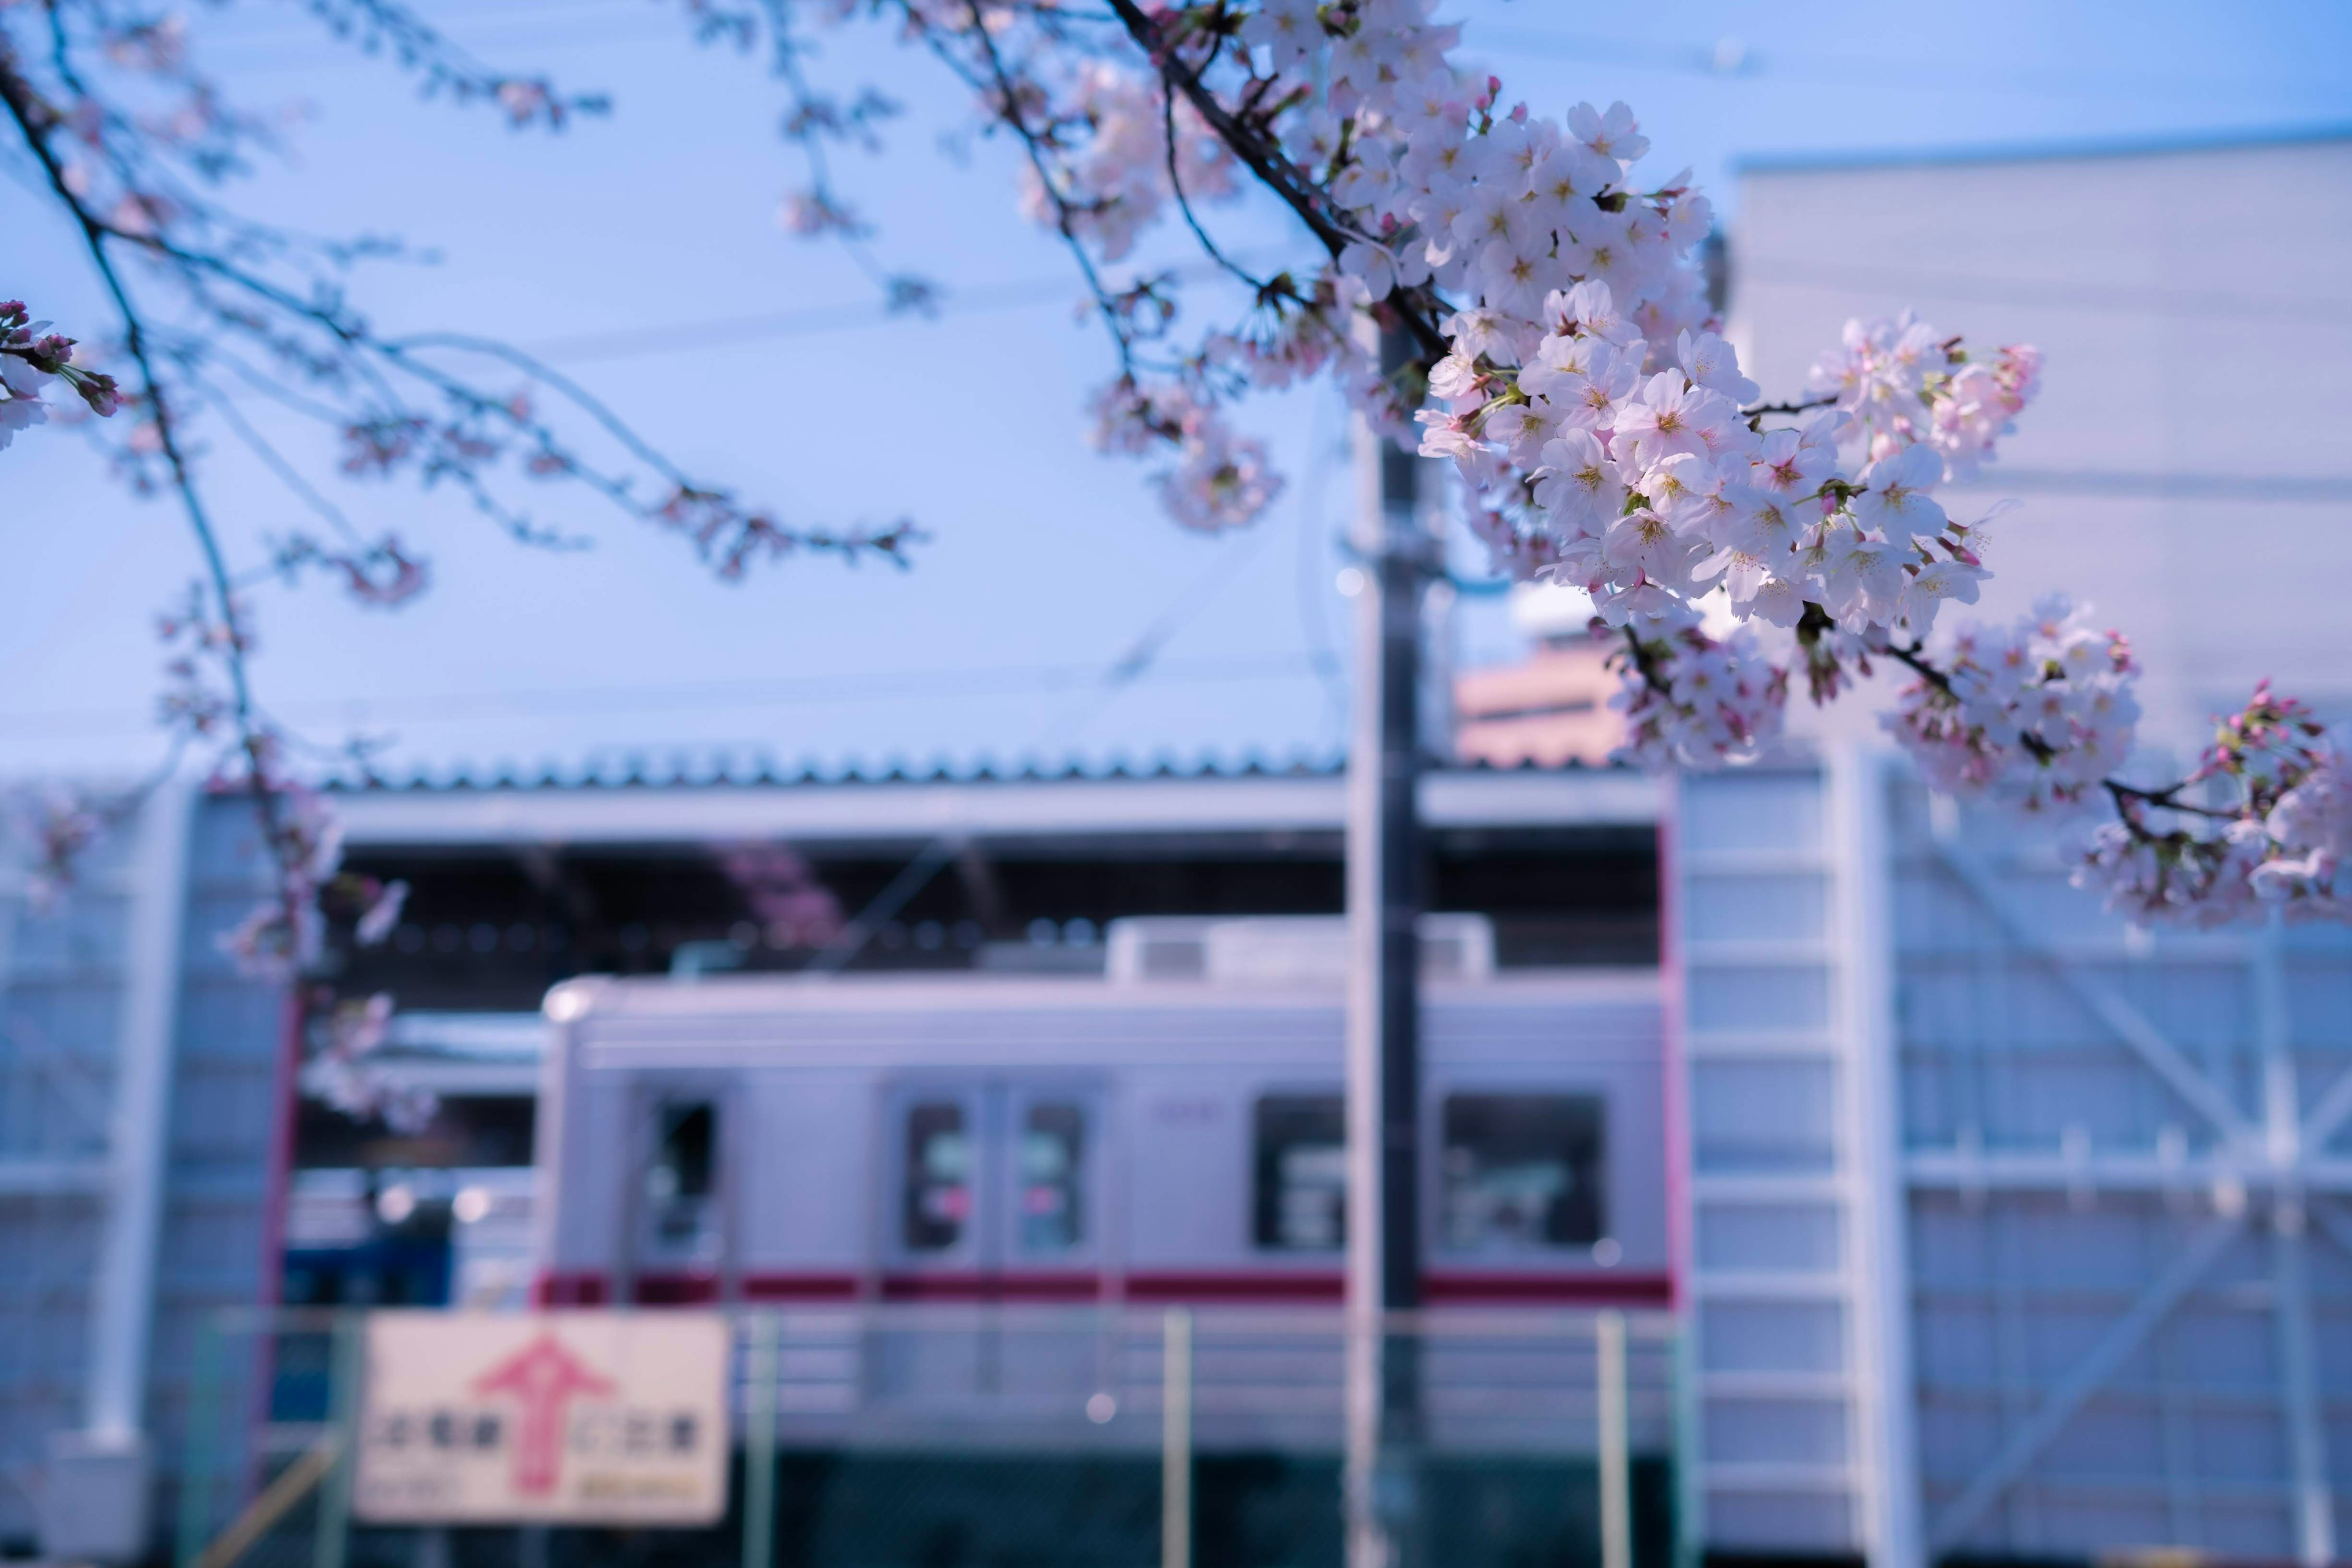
<point>877,1434</point>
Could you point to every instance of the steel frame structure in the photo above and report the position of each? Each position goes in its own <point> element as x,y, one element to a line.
<point>2268,1172</point>
<point>134,1131</point>
<point>1945,1337</point>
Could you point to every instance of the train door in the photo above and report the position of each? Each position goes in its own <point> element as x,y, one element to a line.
<point>996,1188</point>
<point>678,1231</point>
<point>996,1194</point>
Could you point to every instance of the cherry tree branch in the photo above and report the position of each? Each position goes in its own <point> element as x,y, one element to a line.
<point>1184,203</point>
<point>26,110</point>
<point>1419,308</point>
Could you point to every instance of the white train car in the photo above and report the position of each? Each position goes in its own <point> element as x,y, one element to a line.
<point>1168,1132</point>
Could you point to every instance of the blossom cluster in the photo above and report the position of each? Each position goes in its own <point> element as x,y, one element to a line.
<point>2310,832</point>
<point>60,824</point>
<point>1563,304</point>
<point>2039,712</point>
<point>31,356</point>
<point>2265,822</point>
<point>1601,425</point>
<point>1637,470</point>
<point>1691,701</point>
<point>1904,383</point>
<point>345,1071</point>
<point>1115,183</point>
<point>285,934</point>
<point>1219,479</point>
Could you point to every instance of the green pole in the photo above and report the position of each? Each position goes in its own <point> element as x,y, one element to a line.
<point>1616,1469</point>
<point>1689,1490</point>
<point>345,1410</point>
<point>197,1440</point>
<point>762,1330</point>
<point>1176,1439</point>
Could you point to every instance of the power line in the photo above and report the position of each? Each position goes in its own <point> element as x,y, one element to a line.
<point>1140,656</point>
<point>721,332</point>
<point>1730,58</point>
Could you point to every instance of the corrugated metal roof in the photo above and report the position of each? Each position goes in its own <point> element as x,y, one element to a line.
<point>724,770</point>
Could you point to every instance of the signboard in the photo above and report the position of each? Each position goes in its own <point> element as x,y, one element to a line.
<point>586,1418</point>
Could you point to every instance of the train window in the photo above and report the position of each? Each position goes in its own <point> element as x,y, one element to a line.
<point>939,1177</point>
<point>1301,1197</point>
<point>680,1177</point>
<point>1052,1174</point>
<point>1521,1172</point>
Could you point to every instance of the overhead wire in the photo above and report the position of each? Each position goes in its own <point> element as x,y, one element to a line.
<point>1726,58</point>
<point>1140,656</point>
<point>720,332</point>
<point>1731,58</point>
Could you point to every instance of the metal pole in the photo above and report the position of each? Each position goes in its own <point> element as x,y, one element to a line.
<point>199,1440</point>
<point>123,1298</point>
<point>1616,1466</point>
<point>1876,1268</point>
<point>1690,1495</point>
<point>2299,1398</point>
<point>760,1372</point>
<point>1383,1004</point>
<point>1176,1439</point>
<point>346,1408</point>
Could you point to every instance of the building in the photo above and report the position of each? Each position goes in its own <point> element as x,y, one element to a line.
<point>146,1094</point>
<point>2017,1233</point>
<point>2159,280</point>
<point>1552,708</point>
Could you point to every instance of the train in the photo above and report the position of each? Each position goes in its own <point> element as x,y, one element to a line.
<point>1168,1131</point>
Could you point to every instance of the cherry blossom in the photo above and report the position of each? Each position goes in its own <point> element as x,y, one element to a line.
<point>344,1072</point>
<point>2264,824</point>
<point>1696,702</point>
<point>1538,296</point>
<point>2037,712</point>
<point>31,356</point>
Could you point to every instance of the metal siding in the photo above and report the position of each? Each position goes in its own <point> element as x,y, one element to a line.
<point>2129,1292</point>
<point>2042,1214</point>
<point>1771,1238</point>
<point>63,973</point>
<point>60,970</point>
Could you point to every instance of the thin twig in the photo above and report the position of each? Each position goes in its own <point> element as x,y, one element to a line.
<point>1184,204</point>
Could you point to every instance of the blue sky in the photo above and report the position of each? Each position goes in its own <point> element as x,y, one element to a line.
<point>641,252</point>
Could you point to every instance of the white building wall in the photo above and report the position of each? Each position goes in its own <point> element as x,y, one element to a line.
<point>2186,469</point>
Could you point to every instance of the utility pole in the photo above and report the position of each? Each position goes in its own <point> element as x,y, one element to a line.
<point>1394,557</point>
